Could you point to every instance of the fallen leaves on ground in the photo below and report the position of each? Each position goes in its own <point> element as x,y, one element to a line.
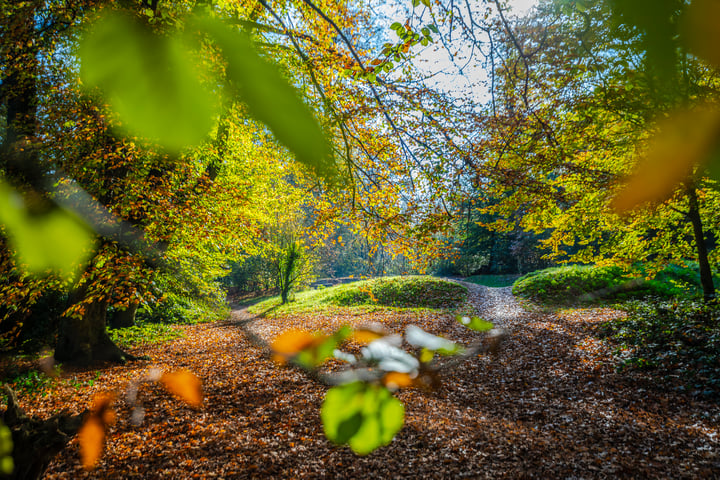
<point>548,405</point>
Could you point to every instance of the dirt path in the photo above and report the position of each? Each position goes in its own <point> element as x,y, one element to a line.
<point>549,405</point>
<point>497,305</point>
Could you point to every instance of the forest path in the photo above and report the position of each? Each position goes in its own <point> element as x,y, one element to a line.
<point>549,405</point>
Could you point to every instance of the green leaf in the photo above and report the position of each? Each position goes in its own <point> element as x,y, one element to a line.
<point>6,447</point>
<point>396,26</point>
<point>149,80</point>
<point>433,28</point>
<point>55,240</point>
<point>270,98</point>
<point>362,415</point>
<point>476,323</point>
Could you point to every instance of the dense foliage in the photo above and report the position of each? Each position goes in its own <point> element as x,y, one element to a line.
<point>678,338</point>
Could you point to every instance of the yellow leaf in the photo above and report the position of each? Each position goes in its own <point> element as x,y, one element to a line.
<point>683,141</point>
<point>92,439</point>
<point>185,385</point>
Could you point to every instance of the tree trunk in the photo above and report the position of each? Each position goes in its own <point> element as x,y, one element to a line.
<point>705,271</point>
<point>36,442</point>
<point>124,318</point>
<point>85,340</point>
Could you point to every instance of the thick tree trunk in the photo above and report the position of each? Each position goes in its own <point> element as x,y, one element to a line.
<point>124,318</point>
<point>36,442</point>
<point>85,340</point>
<point>706,278</point>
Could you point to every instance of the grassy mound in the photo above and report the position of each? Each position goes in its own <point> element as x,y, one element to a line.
<point>575,284</point>
<point>398,292</point>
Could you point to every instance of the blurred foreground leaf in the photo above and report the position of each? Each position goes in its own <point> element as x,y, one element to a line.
<point>684,140</point>
<point>151,81</point>
<point>476,323</point>
<point>185,385</point>
<point>52,241</point>
<point>418,337</point>
<point>91,435</point>
<point>270,97</point>
<point>6,446</point>
<point>364,416</point>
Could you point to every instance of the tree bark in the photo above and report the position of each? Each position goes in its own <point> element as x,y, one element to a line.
<point>124,318</point>
<point>35,441</point>
<point>706,279</point>
<point>85,340</point>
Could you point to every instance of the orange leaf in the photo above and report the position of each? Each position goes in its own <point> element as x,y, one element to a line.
<point>185,385</point>
<point>291,342</point>
<point>102,403</point>
<point>397,380</point>
<point>683,141</point>
<point>699,29</point>
<point>92,439</point>
<point>366,336</point>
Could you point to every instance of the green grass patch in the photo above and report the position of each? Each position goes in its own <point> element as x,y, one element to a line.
<point>144,334</point>
<point>578,284</point>
<point>493,280</point>
<point>386,292</point>
<point>678,338</point>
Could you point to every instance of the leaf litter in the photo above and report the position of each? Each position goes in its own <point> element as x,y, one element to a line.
<point>549,404</point>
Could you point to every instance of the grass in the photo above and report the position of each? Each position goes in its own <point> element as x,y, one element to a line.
<point>144,333</point>
<point>493,280</point>
<point>386,292</point>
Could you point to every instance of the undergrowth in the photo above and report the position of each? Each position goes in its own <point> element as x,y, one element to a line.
<point>679,338</point>
<point>144,333</point>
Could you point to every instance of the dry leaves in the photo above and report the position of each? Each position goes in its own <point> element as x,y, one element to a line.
<point>549,405</point>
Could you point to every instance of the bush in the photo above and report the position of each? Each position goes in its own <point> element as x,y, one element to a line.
<point>570,285</point>
<point>681,338</point>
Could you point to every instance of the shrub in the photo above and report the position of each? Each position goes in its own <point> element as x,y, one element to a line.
<point>681,338</point>
<point>575,284</point>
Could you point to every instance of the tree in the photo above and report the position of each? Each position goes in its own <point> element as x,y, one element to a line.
<point>576,94</point>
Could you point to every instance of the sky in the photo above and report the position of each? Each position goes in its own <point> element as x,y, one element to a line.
<point>459,78</point>
<point>520,7</point>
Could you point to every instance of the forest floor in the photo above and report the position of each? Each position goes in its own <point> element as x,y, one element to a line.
<point>550,404</point>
